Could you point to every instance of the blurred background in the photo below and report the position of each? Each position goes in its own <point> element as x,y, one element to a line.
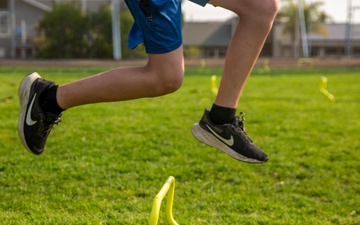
<point>98,29</point>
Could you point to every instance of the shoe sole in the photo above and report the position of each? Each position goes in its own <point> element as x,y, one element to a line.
<point>24,98</point>
<point>207,138</point>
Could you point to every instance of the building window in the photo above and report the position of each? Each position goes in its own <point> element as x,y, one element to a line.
<point>356,51</point>
<point>215,52</point>
<point>314,52</point>
<point>333,51</point>
<point>4,23</point>
<point>3,4</point>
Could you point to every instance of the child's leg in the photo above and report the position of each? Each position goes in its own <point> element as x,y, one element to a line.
<point>219,127</point>
<point>41,101</point>
<point>256,19</point>
<point>158,25</point>
<point>162,74</point>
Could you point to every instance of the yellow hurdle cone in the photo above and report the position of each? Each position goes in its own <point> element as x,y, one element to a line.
<point>169,186</point>
<point>323,89</point>
<point>214,88</point>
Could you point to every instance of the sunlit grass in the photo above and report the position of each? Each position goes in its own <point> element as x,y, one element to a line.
<point>105,163</point>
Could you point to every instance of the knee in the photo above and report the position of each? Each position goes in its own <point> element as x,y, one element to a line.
<point>167,80</point>
<point>266,11</point>
<point>270,10</point>
<point>167,71</point>
<point>261,12</point>
<point>170,81</point>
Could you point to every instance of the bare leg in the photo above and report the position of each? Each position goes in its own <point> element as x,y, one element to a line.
<point>162,74</point>
<point>256,19</point>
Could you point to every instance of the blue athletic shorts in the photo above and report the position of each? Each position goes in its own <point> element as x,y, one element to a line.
<point>158,23</point>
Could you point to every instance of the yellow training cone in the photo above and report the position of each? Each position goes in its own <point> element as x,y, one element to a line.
<point>169,186</point>
<point>323,89</point>
<point>214,88</point>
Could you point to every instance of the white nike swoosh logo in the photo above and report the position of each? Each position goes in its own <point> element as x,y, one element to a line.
<point>29,121</point>
<point>229,142</point>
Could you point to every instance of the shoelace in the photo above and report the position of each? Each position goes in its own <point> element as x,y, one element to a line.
<point>239,124</point>
<point>242,121</point>
<point>49,121</point>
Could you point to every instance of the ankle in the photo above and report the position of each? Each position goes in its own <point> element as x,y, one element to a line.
<point>221,115</point>
<point>49,102</point>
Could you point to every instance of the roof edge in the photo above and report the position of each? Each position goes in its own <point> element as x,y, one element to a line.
<point>38,5</point>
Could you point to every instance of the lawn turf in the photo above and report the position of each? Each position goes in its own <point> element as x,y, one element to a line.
<point>105,163</point>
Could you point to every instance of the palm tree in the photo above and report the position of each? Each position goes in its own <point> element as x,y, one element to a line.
<point>313,16</point>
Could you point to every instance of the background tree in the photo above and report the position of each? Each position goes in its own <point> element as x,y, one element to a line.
<point>67,32</point>
<point>100,33</point>
<point>64,31</point>
<point>313,16</point>
<point>126,22</point>
<point>100,41</point>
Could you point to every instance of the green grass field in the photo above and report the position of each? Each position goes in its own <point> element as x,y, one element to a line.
<point>105,163</point>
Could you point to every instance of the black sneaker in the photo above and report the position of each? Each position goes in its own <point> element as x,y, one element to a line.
<point>34,124</point>
<point>229,138</point>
